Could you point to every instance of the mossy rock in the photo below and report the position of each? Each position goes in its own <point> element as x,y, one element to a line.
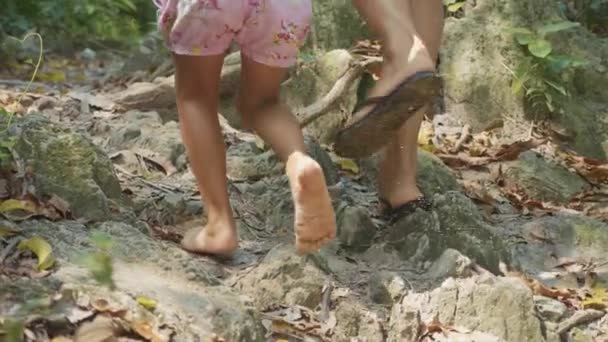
<point>69,165</point>
<point>432,175</point>
<point>543,180</point>
<point>337,25</point>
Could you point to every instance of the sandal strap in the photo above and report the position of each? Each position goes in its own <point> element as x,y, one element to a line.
<point>369,101</point>
<point>395,214</point>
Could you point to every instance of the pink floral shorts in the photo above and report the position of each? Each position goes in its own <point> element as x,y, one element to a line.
<point>268,31</point>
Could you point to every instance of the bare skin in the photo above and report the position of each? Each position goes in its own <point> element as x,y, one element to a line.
<point>411,33</point>
<point>197,82</point>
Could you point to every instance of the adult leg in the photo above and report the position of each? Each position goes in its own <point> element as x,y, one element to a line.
<point>411,34</point>
<point>197,83</point>
<point>263,112</point>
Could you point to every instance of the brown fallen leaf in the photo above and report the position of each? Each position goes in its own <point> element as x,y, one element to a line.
<point>512,151</point>
<point>146,331</point>
<point>101,329</point>
<point>59,204</point>
<point>158,160</point>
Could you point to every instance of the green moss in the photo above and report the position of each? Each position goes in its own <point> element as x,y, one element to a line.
<point>68,165</point>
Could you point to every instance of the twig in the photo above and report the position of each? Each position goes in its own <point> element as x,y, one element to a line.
<point>326,301</point>
<point>18,83</point>
<point>161,187</point>
<point>314,111</point>
<point>464,136</point>
<point>580,317</point>
<point>7,250</point>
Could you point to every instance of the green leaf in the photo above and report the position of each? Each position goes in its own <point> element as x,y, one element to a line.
<point>7,232</point>
<point>557,87</point>
<point>12,205</point>
<point>14,331</point>
<point>518,84</point>
<point>102,240</point>
<point>147,303</point>
<point>42,249</point>
<point>449,2</point>
<point>556,27</point>
<point>524,38</point>
<point>522,30</point>
<point>540,48</point>
<point>456,6</point>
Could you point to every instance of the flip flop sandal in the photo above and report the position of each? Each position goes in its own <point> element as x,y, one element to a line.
<point>393,215</point>
<point>367,133</point>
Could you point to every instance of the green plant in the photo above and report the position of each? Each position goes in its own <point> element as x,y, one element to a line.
<point>591,13</point>
<point>79,22</point>
<point>542,74</point>
<point>99,262</point>
<point>453,6</point>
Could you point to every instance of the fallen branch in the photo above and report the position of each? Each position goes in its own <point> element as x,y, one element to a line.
<point>18,83</point>
<point>309,114</point>
<point>579,317</point>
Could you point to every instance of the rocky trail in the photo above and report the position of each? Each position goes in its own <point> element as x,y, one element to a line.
<point>96,194</point>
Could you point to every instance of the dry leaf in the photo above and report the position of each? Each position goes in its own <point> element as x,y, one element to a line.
<point>101,329</point>
<point>11,206</point>
<point>146,331</point>
<point>7,232</point>
<point>598,299</point>
<point>42,249</point>
<point>161,162</point>
<point>348,165</point>
<point>61,205</point>
<point>147,303</point>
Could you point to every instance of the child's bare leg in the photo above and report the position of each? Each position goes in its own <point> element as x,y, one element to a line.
<point>263,112</point>
<point>197,83</point>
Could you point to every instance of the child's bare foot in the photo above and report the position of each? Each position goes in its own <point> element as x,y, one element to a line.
<point>217,239</point>
<point>315,220</point>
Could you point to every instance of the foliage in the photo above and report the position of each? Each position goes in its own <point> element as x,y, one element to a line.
<point>543,74</point>
<point>99,262</point>
<point>453,6</point>
<point>78,21</point>
<point>591,13</point>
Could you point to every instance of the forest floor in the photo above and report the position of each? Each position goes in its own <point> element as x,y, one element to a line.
<point>96,194</point>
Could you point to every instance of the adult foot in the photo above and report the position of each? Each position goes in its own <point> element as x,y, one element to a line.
<point>315,220</point>
<point>399,65</point>
<point>218,238</point>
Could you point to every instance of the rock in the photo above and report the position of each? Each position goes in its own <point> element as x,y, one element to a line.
<point>316,152</point>
<point>68,165</point>
<point>150,54</point>
<point>356,230</point>
<point>579,335</point>
<point>386,288</point>
<point>329,68</point>
<point>544,181</point>
<point>416,237</point>
<point>356,322</point>
<point>337,25</point>
<point>88,54</point>
<point>572,237</point>
<point>451,264</point>
<point>309,85</point>
<point>501,307</point>
<point>253,168</point>
<point>432,175</point>
<point>454,223</point>
<point>190,298</point>
<point>284,277</point>
<point>464,229</point>
<point>550,309</point>
<point>146,131</point>
<point>474,54</point>
<point>405,324</point>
